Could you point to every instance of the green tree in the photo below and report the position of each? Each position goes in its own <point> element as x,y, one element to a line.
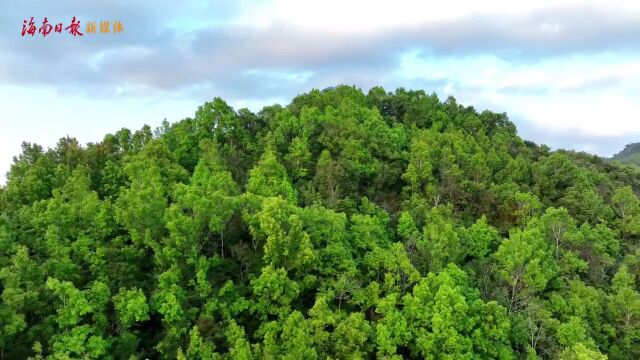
<point>624,308</point>
<point>131,306</point>
<point>525,264</point>
<point>269,178</point>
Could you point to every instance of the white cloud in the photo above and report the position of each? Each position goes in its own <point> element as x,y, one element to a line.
<point>566,66</point>
<point>596,96</point>
<point>341,16</point>
<point>598,114</point>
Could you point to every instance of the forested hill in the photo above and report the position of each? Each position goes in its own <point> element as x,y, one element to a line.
<point>344,225</point>
<point>630,155</point>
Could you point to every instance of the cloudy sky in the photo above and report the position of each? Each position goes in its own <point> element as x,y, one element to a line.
<point>566,72</point>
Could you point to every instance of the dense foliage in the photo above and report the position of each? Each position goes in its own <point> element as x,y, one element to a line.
<point>344,225</point>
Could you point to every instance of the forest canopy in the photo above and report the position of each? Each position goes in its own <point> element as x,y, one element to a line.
<point>343,225</point>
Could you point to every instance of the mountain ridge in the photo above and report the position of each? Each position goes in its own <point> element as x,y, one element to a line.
<point>630,155</point>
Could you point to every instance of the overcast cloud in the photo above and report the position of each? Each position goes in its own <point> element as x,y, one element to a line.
<point>567,72</point>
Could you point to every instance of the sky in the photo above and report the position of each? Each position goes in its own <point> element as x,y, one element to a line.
<point>566,72</point>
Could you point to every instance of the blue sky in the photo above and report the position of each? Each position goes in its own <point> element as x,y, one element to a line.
<point>566,72</point>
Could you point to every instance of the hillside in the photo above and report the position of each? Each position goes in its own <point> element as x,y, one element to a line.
<point>343,225</point>
<point>630,155</point>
